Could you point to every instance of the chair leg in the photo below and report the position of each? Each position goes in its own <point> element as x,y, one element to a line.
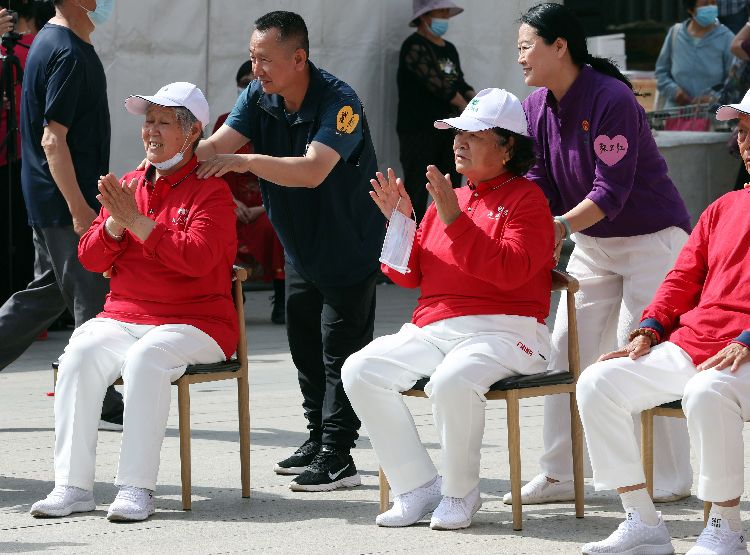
<point>706,511</point>
<point>576,433</point>
<point>647,448</point>
<point>183,404</point>
<point>514,457</point>
<point>243,401</point>
<point>385,491</point>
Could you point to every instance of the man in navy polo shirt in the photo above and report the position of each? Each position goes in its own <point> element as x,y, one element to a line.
<point>314,158</point>
<point>65,132</point>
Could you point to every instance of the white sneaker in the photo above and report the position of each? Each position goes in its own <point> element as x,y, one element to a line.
<point>718,539</point>
<point>454,513</point>
<point>131,504</point>
<point>540,490</point>
<point>64,500</point>
<point>633,537</point>
<point>412,506</point>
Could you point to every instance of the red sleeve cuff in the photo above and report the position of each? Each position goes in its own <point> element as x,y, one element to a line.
<point>460,225</point>
<point>110,243</point>
<point>150,244</point>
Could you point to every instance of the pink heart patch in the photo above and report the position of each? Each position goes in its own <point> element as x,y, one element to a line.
<point>610,151</point>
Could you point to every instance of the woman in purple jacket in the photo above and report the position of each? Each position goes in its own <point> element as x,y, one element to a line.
<point>607,184</point>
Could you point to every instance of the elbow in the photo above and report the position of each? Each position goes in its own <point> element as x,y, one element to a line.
<point>49,144</point>
<point>314,179</point>
<point>738,51</point>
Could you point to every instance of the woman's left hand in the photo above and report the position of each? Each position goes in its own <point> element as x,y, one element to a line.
<point>442,192</point>
<point>732,355</point>
<point>559,232</point>
<point>119,199</point>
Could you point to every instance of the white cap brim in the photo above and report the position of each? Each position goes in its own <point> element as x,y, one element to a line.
<point>138,105</point>
<point>731,111</point>
<point>463,123</point>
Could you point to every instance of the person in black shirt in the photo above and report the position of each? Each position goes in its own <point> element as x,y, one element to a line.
<point>431,86</point>
<point>65,134</point>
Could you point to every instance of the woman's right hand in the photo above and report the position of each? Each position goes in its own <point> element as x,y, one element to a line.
<point>6,21</point>
<point>681,98</point>
<point>243,212</point>
<point>386,193</point>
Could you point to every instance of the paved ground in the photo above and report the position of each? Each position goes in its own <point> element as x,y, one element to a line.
<point>274,519</point>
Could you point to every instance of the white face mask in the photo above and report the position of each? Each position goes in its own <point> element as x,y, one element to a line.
<point>174,160</point>
<point>398,241</point>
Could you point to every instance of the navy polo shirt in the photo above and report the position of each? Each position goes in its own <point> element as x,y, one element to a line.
<point>64,82</point>
<point>332,234</point>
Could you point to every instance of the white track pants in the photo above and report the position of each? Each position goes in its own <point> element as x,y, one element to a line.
<point>149,359</point>
<point>716,403</point>
<point>463,357</point>
<point>618,278</point>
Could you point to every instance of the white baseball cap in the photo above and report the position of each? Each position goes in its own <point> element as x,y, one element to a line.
<point>182,94</point>
<point>732,111</point>
<point>490,108</point>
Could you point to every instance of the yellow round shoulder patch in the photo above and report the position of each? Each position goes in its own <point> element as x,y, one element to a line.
<point>346,120</point>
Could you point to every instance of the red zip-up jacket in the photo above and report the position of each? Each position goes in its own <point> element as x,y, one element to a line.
<point>182,273</point>
<point>495,258</point>
<point>704,302</point>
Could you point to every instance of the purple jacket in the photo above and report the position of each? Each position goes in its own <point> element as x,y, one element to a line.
<point>597,144</point>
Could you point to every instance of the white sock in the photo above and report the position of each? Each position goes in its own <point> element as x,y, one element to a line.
<point>641,501</point>
<point>729,514</point>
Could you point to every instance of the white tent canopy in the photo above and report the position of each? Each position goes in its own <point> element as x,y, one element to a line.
<point>150,43</point>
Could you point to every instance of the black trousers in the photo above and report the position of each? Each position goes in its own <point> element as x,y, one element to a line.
<point>324,326</point>
<point>15,235</point>
<point>417,151</point>
<point>60,283</point>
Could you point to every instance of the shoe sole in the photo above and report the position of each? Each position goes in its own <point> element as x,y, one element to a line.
<point>109,426</point>
<point>544,501</point>
<point>289,471</point>
<point>459,525</point>
<point>119,517</point>
<point>429,509</point>
<point>638,550</point>
<point>79,507</point>
<point>348,482</point>
<point>671,498</point>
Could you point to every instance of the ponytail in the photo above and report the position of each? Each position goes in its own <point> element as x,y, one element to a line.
<point>553,21</point>
<point>605,66</point>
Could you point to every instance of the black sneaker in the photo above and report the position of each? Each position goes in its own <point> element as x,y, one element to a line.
<point>299,461</point>
<point>112,409</point>
<point>329,470</point>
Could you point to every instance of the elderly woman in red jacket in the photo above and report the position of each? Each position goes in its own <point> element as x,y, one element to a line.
<point>482,258</point>
<point>168,239</point>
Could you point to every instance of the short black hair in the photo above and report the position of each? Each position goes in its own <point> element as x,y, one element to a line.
<point>689,4</point>
<point>522,158</point>
<point>291,26</point>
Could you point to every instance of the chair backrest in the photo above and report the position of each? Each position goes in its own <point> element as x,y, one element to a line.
<point>239,275</point>
<point>564,282</point>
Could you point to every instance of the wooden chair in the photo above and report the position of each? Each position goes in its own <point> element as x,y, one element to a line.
<point>520,387</point>
<point>670,410</point>
<point>233,369</point>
